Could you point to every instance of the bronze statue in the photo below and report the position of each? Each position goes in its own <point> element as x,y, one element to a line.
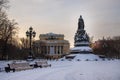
<point>81,23</point>
<point>81,35</point>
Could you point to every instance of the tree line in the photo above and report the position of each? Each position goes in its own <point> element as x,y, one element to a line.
<point>108,47</point>
<point>7,29</point>
<point>9,42</point>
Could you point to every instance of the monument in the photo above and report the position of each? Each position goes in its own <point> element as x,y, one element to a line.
<point>81,50</point>
<point>81,39</point>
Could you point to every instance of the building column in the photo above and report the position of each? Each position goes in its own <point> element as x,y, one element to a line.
<point>56,49</point>
<point>47,49</point>
<point>52,51</point>
<point>60,49</point>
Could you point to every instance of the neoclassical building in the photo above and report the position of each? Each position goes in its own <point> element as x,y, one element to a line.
<point>51,45</point>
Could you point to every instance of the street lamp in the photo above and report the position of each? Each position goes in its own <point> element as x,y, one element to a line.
<point>30,34</point>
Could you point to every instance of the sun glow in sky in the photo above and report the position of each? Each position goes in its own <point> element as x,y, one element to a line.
<point>101,17</point>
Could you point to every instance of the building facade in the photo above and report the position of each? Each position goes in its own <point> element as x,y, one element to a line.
<point>51,45</point>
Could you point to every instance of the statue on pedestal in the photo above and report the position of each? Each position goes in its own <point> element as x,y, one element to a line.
<point>80,23</point>
<point>81,35</point>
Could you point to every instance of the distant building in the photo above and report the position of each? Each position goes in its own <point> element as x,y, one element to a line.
<point>97,44</point>
<point>51,45</point>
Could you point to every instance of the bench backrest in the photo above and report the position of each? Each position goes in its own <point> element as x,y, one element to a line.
<point>41,62</point>
<point>15,65</point>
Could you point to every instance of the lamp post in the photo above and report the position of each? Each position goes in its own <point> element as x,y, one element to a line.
<point>30,34</point>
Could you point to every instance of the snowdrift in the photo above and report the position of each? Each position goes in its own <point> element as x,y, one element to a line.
<point>81,57</point>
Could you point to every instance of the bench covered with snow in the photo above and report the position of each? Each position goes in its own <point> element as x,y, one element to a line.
<point>42,64</point>
<point>18,67</point>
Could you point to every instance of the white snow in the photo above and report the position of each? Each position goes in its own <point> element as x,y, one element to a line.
<point>68,70</point>
<point>86,57</point>
<point>83,57</point>
<point>81,48</point>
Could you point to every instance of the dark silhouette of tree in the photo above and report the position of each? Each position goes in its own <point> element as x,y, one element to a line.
<point>109,47</point>
<point>25,43</point>
<point>24,48</point>
<point>8,30</point>
<point>3,4</point>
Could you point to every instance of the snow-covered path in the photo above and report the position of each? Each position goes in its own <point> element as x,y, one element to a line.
<point>69,70</point>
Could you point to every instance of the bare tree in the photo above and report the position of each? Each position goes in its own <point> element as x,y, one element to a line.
<point>110,47</point>
<point>25,43</point>
<point>8,29</point>
<point>3,4</point>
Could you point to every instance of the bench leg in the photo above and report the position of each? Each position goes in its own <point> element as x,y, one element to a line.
<point>40,66</point>
<point>7,69</point>
<point>13,70</point>
<point>50,65</point>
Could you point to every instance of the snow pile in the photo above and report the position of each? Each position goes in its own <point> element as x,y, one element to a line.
<point>81,57</point>
<point>86,57</point>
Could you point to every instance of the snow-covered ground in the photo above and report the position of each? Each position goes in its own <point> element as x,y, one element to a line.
<point>83,57</point>
<point>68,70</point>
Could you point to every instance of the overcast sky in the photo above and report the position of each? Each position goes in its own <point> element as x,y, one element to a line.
<point>101,17</point>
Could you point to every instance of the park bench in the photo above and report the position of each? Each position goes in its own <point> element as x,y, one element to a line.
<point>18,67</point>
<point>42,64</point>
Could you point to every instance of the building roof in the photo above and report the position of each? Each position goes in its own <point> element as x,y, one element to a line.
<point>51,41</point>
<point>51,34</point>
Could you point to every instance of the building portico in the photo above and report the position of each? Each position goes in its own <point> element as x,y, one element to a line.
<point>51,45</point>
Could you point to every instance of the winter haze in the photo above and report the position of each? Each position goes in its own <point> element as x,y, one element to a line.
<point>101,17</point>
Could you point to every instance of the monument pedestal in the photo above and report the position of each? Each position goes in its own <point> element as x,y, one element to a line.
<point>81,50</point>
